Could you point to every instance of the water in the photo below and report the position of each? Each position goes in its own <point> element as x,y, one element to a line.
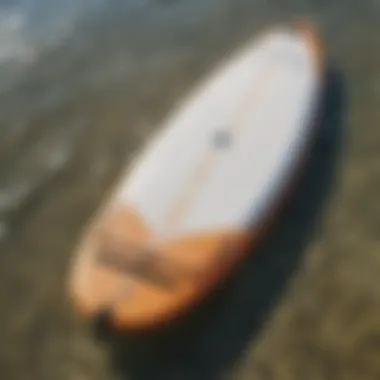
<point>82,84</point>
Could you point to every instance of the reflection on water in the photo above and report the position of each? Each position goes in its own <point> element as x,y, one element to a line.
<point>82,83</point>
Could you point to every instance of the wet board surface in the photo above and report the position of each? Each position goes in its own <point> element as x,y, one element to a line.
<point>198,193</point>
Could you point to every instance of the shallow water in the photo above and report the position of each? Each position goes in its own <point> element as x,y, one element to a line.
<point>81,86</point>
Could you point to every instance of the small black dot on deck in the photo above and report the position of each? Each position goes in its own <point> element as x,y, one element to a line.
<point>222,139</point>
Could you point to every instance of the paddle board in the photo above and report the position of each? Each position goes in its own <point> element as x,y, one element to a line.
<point>203,189</point>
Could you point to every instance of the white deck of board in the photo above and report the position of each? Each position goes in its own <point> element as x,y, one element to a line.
<point>265,96</point>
